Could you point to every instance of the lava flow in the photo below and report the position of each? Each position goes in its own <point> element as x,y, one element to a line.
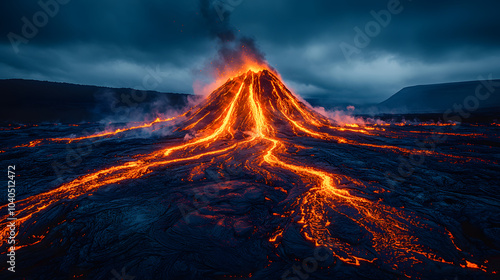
<point>254,111</point>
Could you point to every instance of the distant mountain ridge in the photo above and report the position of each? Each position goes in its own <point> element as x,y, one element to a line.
<point>42,101</point>
<point>438,98</point>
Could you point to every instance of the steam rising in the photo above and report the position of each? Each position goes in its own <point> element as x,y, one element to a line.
<point>233,50</point>
<point>342,118</point>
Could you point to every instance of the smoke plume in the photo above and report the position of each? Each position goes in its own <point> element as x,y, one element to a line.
<point>233,49</point>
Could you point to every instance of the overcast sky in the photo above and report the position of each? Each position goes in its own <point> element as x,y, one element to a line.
<point>316,46</point>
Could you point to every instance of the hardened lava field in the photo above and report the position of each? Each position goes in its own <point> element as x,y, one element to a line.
<point>254,183</point>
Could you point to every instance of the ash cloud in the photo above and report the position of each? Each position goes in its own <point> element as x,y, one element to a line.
<point>232,48</point>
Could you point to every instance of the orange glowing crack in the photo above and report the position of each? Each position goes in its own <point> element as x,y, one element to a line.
<point>111,133</point>
<point>88,183</point>
<point>97,135</point>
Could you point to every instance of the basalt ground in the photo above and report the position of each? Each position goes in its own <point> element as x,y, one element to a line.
<point>252,183</point>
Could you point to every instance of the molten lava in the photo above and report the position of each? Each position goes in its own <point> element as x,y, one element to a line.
<point>255,110</point>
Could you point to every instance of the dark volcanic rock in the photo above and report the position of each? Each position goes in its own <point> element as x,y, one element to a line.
<point>298,201</point>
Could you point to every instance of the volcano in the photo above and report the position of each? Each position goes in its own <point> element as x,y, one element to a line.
<point>252,182</point>
<point>253,102</point>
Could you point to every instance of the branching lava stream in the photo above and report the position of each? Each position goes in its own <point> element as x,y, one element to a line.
<point>256,111</point>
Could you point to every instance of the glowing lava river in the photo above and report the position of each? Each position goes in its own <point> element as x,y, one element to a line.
<point>253,183</point>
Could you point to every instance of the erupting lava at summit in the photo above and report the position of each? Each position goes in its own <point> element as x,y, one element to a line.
<point>255,124</point>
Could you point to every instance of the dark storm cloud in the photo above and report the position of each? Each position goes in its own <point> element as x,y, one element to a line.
<point>118,43</point>
<point>148,25</point>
